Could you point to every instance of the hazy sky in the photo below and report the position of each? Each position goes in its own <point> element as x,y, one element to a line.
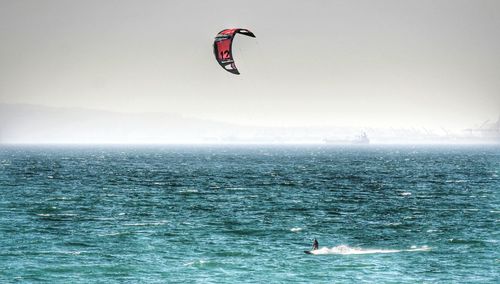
<point>355,63</point>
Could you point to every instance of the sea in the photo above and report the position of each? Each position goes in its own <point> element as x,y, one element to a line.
<point>247,213</point>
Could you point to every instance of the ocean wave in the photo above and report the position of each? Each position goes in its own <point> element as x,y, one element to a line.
<point>466,241</point>
<point>297,229</point>
<point>159,223</point>
<point>114,234</point>
<point>237,188</point>
<point>57,215</point>
<point>346,250</point>
<point>196,263</point>
<point>59,252</point>
<point>188,190</point>
<point>456,181</point>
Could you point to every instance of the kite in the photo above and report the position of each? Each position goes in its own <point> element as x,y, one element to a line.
<point>223,51</point>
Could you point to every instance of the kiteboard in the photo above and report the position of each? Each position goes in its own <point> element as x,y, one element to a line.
<point>308,252</point>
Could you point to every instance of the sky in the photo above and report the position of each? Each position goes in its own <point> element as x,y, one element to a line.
<point>388,63</point>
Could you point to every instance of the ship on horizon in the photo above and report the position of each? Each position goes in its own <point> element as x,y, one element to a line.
<point>361,139</point>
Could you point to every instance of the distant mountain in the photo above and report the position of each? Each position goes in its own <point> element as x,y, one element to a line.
<point>22,123</point>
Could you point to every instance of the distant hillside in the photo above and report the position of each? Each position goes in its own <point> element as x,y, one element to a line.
<point>20,123</point>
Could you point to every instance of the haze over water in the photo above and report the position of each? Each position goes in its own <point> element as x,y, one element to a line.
<point>230,214</point>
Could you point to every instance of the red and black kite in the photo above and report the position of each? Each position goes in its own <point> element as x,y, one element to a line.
<point>223,48</point>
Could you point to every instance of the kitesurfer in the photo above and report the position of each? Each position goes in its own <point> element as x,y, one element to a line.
<point>315,244</point>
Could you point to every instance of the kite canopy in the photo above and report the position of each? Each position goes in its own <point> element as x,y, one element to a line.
<point>223,50</point>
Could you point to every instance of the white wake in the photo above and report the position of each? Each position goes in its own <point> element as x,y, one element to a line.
<point>346,250</point>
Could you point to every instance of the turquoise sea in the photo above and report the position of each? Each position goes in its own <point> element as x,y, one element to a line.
<point>245,214</point>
